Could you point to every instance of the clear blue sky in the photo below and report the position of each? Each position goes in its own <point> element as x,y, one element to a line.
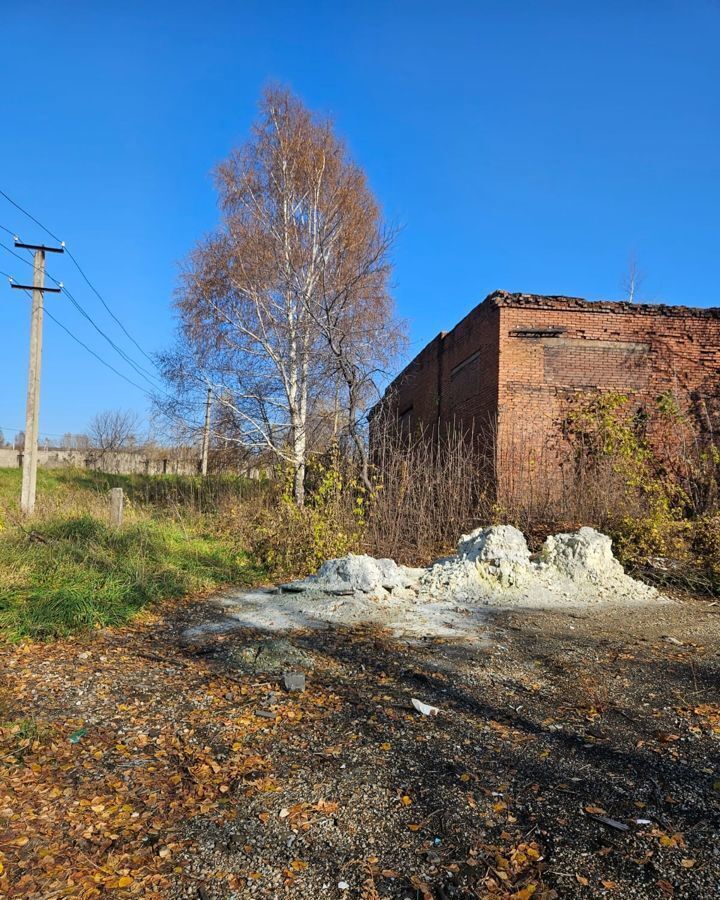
<point>521,145</point>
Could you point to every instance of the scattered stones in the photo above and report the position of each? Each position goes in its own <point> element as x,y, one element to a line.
<point>294,681</point>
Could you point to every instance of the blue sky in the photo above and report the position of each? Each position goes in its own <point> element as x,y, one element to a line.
<point>520,145</point>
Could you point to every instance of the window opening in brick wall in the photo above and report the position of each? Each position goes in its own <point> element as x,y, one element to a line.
<point>537,332</point>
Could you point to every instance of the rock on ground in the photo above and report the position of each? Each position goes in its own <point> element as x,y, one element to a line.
<point>362,573</point>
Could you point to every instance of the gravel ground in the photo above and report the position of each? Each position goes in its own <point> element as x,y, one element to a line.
<point>575,754</point>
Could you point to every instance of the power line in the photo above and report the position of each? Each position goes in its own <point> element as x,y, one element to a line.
<point>113,369</point>
<point>92,352</point>
<point>82,272</point>
<point>97,355</point>
<point>107,307</point>
<point>140,370</point>
<point>23,259</point>
<point>11,233</point>
<point>102,300</point>
<point>26,213</point>
<point>42,433</point>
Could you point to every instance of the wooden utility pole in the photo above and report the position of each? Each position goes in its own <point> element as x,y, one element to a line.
<point>32,411</point>
<point>206,435</point>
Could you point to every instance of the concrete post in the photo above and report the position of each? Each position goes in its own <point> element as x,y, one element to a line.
<point>117,501</point>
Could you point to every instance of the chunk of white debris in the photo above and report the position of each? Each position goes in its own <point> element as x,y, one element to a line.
<point>362,573</point>
<point>343,885</point>
<point>424,708</point>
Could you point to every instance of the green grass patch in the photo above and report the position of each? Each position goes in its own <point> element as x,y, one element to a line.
<point>82,573</point>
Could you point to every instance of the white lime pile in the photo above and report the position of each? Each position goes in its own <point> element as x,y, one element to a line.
<point>493,567</point>
<point>495,564</point>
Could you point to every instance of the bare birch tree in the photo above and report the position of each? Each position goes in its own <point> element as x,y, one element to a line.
<point>633,279</point>
<point>112,431</point>
<point>286,304</point>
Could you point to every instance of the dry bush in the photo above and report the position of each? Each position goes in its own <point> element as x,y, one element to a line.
<point>428,490</point>
<point>289,540</point>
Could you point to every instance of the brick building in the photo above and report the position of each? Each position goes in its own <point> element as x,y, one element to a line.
<point>510,366</point>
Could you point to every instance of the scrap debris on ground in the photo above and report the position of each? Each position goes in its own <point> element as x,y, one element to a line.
<point>573,754</point>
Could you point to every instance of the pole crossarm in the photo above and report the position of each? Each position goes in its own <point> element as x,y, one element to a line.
<point>34,287</point>
<point>23,246</point>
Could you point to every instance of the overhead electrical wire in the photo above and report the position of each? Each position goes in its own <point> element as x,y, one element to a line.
<point>26,213</point>
<point>82,272</point>
<point>46,434</point>
<point>102,300</point>
<point>142,371</point>
<point>18,256</point>
<point>136,366</point>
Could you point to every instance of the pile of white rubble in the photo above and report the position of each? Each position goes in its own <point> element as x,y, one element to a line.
<point>493,567</point>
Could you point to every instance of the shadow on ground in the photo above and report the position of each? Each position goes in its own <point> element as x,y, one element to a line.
<point>572,756</point>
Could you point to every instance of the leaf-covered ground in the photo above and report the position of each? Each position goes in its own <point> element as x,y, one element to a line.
<point>575,755</point>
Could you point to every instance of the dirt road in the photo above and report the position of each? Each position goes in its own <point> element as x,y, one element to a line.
<point>575,754</point>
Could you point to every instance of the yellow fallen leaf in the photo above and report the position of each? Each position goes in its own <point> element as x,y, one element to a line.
<point>125,881</point>
<point>299,865</point>
<point>385,746</point>
<point>405,800</point>
<point>687,863</point>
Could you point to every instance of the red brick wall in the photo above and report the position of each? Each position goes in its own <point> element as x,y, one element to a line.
<point>510,366</point>
<point>640,350</point>
<point>453,381</point>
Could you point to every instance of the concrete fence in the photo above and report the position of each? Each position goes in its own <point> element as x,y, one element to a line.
<point>123,462</point>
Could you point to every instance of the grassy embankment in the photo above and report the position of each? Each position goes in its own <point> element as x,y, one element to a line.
<point>68,569</point>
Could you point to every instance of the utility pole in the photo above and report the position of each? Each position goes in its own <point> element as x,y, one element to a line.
<point>206,435</point>
<point>32,412</point>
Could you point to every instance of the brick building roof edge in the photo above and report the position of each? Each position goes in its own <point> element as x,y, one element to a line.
<point>560,302</point>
